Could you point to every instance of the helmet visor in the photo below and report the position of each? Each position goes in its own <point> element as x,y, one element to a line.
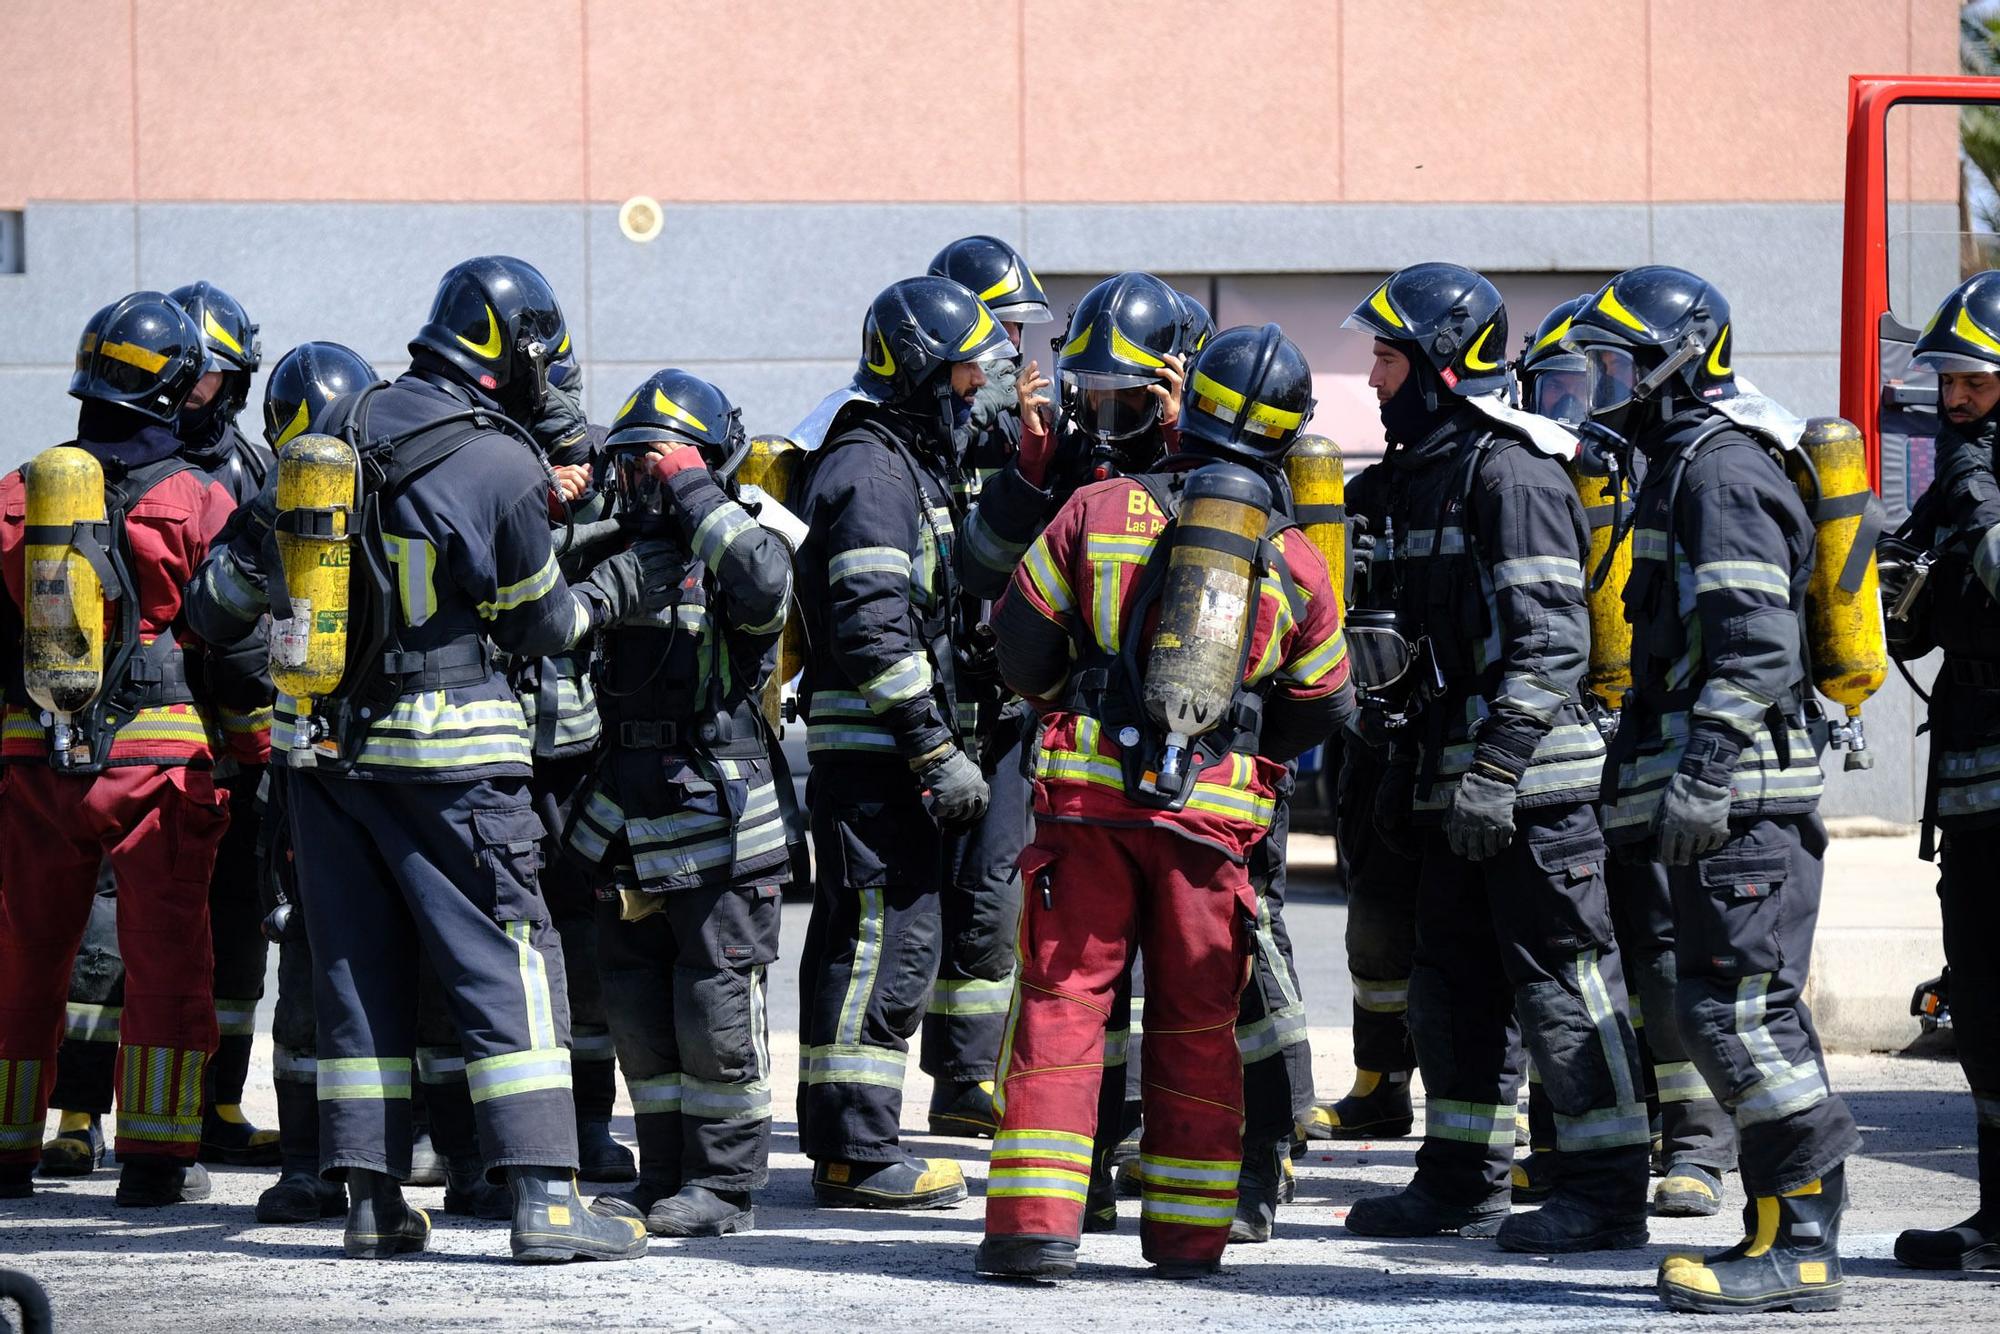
<point>1560,395</point>
<point>638,484</point>
<point>1952,363</point>
<point>1377,653</point>
<point>1111,407</point>
<point>1611,377</point>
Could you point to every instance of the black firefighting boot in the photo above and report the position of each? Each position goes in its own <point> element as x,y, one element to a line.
<point>426,1163</point>
<point>1789,1261</point>
<point>1100,1200</point>
<point>226,1134</point>
<point>1688,1190</point>
<point>1377,1107</point>
<point>599,1157</point>
<point>1415,1211</point>
<point>77,1148</point>
<point>1599,1204</point>
<point>964,1109</point>
<point>913,1183</point>
<point>1259,1190</point>
<point>151,1181</point>
<point>1025,1257</point>
<point>468,1193</point>
<point>551,1225</point>
<point>380,1223</point>
<point>1973,1244</point>
<point>659,1136</point>
<point>697,1211</point>
<point>300,1195</point>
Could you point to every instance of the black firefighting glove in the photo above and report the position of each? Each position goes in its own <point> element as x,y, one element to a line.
<point>1480,821</point>
<point>1694,812</point>
<point>634,583</point>
<point>957,787</point>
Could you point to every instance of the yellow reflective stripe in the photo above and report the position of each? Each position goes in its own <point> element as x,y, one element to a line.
<point>489,349</point>
<point>1124,349</point>
<point>416,567</point>
<point>344,1077</point>
<point>511,596</point>
<point>133,355</point>
<point>1379,303</point>
<point>666,407</point>
<point>534,969</point>
<point>1047,579</point>
<point>1609,303</point>
<point>1314,666</point>
<point>905,679</point>
<point>868,560</point>
<point>213,328</point>
<point>539,1071</point>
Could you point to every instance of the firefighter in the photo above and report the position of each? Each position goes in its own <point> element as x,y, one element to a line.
<point>1143,826</point>
<point>1956,528</point>
<point>124,767</point>
<point>981,902</point>
<point>560,702</point>
<point>1695,1144</point>
<point>879,589</point>
<point>1503,762</point>
<point>1715,775</point>
<point>684,822</point>
<point>1381,881</point>
<point>420,757</point>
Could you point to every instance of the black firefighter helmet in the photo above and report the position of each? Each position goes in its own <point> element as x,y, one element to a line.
<point>1249,394</point>
<point>1552,376</point>
<point>306,379</point>
<point>1109,359</point>
<point>1655,336</point>
<point>495,322</point>
<point>672,408</point>
<point>229,341</point>
<point>915,331</point>
<point>996,274</point>
<point>1964,334</point>
<point>1451,317</point>
<point>141,352</point>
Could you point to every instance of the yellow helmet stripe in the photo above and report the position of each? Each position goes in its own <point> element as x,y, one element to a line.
<point>1077,344</point>
<point>133,355</point>
<point>562,348</point>
<point>627,407</point>
<point>1125,349</point>
<point>1221,393</point>
<point>980,331</point>
<point>1379,303</point>
<point>1609,303</point>
<point>1973,334</point>
<point>1719,368</point>
<point>1275,416</point>
<point>297,425</point>
<point>1010,281</point>
<point>218,333</point>
<point>884,365</point>
<point>666,407</point>
<point>1473,362</point>
<point>1552,336</point>
<point>490,349</point>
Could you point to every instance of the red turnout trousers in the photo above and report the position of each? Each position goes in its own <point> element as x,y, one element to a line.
<point>160,827</point>
<point>1090,894</point>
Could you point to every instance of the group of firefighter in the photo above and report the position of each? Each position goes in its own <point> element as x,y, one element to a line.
<point>471,706</point>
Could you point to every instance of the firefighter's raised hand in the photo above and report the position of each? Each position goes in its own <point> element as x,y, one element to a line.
<point>1168,391</point>
<point>1030,388</point>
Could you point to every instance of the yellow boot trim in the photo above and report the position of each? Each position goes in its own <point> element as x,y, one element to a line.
<point>1810,1188</point>
<point>1692,1274</point>
<point>72,1123</point>
<point>1766,1234</point>
<point>232,1112</point>
<point>1365,1083</point>
<point>938,1174</point>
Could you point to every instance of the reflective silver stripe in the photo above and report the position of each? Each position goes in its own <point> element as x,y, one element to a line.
<point>1531,695</point>
<point>236,1018</point>
<point>297,1066</point>
<point>509,597</point>
<point>988,548</point>
<point>905,679</point>
<point>1189,1210</point>
<point>1649,544</point>
<point>725,1102</point>
<point>1470,1122</point>
<point>655,1096</point>
<point>440,1065</point>
<point>1267,1037</point>
<point>861,974</point>
<point>712,536</point>
<point>1785,1088</point>
<point>1679,1081</point>
<point>1061,1145</point>
<point>536,999</point>
<point>1448,540</point>
<point>1189,1173</point>
<point>541,1070</point>
<point>416,564</point>
<point>91,1023</point>
<point>1734,705</point>
<point>1381,997</point>
<point>1606,1128</point>
<point>1756,576</point>
<point>851,1063</point>
<point>591,1045</point>
<point>363,1077</point>
<point>1565,570</point>
<point>868,560</point>
<point>233,590</point>
<point>1610,1038</point>
<point>971,995</point>
<point>1036,1183</point>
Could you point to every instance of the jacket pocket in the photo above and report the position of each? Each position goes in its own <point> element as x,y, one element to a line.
<point>507,848</point>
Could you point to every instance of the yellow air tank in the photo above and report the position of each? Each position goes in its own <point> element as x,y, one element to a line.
<point>772,466</point>
<point>1319,503</point>
<point>1206,611</point>
<point>1844,635</point>
<point>63,643</point>
<point>319,483</point>
<point>1604,493</point>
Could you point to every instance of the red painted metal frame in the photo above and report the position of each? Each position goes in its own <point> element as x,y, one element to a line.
<point>1864,280</point>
